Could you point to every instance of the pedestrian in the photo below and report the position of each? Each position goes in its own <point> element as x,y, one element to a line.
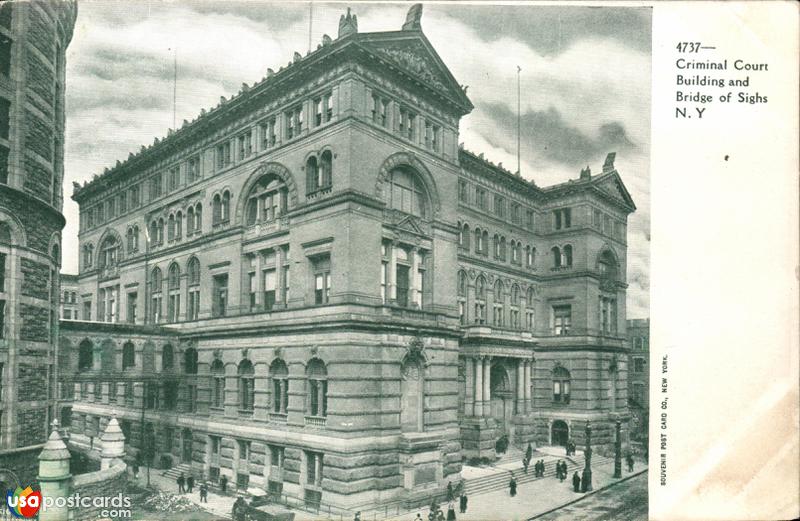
<point>135,470</point>
<point>512,485</point>
<point>189,484</point>
<point>541,468</point>
<point>576,482</point>
<point>629,461</point>
<point>525,464</point>
<point>529,451</point>
<point>563,471</point>
<point>462,504</point>
<point>181,480</point>
<point>451,513</point>
<point>440,516</point>
<point>357,517</point>
<point>418,518</point>
<point>449,491</point>
<point>223,483</point>
<point>203,492</point>
<point>237,510</point>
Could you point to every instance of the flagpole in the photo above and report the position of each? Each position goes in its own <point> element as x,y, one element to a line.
<point>519,171</point>
<point>310,22</point>
<point>174,87</point>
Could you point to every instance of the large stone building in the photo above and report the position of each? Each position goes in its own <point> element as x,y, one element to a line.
<point>69,297</point>
<point>639,377</point>
<point>33,38</point>
<point>312,288</point>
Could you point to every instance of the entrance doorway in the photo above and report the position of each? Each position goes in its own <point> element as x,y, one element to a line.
<point>402,285</point>
<point>186,442</point>
<point>559,433</point>
<point>502,399</point>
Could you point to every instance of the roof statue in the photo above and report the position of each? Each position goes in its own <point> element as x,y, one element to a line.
<point>413,18</point>
<point>608,166</point>
<point>348,24</point>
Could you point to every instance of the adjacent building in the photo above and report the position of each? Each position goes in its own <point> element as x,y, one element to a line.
<point>69,297</point>
<point>313,289</point>
<point>639,377</point>
<point>33,39</point>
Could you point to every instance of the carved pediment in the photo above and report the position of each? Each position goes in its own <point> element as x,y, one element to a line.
<point>415,59</point>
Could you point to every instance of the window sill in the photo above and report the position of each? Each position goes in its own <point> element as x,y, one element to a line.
<point>245,412</point>
<point>279,417</point>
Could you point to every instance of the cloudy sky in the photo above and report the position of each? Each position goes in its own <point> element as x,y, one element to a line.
<point>585,84</point>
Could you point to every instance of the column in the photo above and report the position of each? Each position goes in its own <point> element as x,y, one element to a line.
<point>527,383</point>
<point>520,387</point>
<point>469,388</point>
<point>487,393</point>
<point>415,289</point>
<point>393,273</point>
<point>478,407</point>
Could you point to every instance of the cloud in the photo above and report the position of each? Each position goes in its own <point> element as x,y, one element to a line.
<point>585,84</point>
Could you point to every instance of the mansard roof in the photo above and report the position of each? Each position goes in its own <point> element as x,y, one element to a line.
<point>406,54</point>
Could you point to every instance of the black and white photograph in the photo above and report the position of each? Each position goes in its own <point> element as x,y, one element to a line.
<point>336,261</point>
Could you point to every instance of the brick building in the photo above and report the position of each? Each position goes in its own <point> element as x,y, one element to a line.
<point>639,376</point>
<point>312,288</point>
<point>33,38</point>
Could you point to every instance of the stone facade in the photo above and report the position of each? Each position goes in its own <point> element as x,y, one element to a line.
<point>313,289</point>
<point>33,39</point>
<point>69,297</point>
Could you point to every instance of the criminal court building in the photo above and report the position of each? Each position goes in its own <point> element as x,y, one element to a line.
<point>313,289</point>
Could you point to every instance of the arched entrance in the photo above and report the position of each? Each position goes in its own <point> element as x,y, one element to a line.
<point>186,445</point>
<point>502,403</point>
<point>559,433</point>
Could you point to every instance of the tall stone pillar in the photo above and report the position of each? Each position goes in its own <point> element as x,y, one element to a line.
<point>469,390</point>
<point>112,445</point>
<point>487,392</point>
<point>54,477</point>
<point>527,382</point>
<point>478,411</point>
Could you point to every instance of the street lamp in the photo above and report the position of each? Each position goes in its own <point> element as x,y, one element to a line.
<point>618,452</point>
<point>586,480</point>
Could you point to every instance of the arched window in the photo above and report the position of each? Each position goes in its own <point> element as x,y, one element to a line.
<point>279,374</point>
<point>485,242</point>
<point>462,296</point>
<point>407,193</point>
<point>216,209</point>
<point>267,200</point>
<point>156,285</point>
<point>85,355</point>
<point>190,361</point>
<point>153,239</point>
<point>109,252</point>
<point>226,206</point>
<point>193,291</point>
<point>515,252</point>
<point>515,295</point>
<point>496,244</point>
<point>556,257</point>
<point>217,384</point>
<point>178,225</point>
<point>317,391</point>
<point>167,357</point>
<point>478,241</point>
<point>312,175</point>
<point>160,231</point>
<point>128,356</point>
<point>326,169</point>
<point>502,248</point>
<point>129,237</point>
<point>246,386</point>
<point>480,300</point>
<point>466,237</point>
<point>498,307</point>
<point>412,388</point>
<point>174,290</point>
<point>190,221</point>
<point>567,257</point>
<point>514,311</point>
<point>530,256</point>
<point>171,228</point>
<point>607,265</point>
<point>530,305</point>
<point>5,233</point>
<point>561,380</point>
<point>198,218</point>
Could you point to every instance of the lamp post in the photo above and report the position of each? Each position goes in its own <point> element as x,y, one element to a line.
<point>618,452</point>
<point>586,479</point>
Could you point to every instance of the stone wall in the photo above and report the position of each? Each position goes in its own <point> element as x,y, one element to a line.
<point>103,483</point>
<point>22,462</point>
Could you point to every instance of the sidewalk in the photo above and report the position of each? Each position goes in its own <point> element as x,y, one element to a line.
<point>218,505</point>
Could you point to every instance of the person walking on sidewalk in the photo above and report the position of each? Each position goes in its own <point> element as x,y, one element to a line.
<point>462,503</point>
<point>181,480</point>
<point>189,484</point>
<point>629,461</point>
<point>451,513</point>
<point>529,452</point>
<point>512,485</point>
<point>203,492</point>
<point>223,483</point>
<point>525,462</point>
<point>576,482</point>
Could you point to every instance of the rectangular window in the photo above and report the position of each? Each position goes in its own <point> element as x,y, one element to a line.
<point>268,136</point>
<point>319,113</point>
<point>245,145</point>
<point>2,272</point>
<point>402,273</point>
<point>174,178</point>
<point>134,197</point>
<point>156,188</point>
<point>270,288</point>
<point>480,198</point>
<point>597,219</point>
<point>133,297</point>
<point>499,206</point>
<point>638,365</point>
<point>562,218</point>
<point>463,191</point>
<point>562,319</point>
<point>5,55</point>
<point>220,304</point>
<point>223,155</point>
<point>294,122</point>
<point>87,310</point>
<point>3,164</point>
<point>322,279</point>
<point>5,109</point>
<point>193,169</point>
<point>123,204</point>
<point>314,468</point>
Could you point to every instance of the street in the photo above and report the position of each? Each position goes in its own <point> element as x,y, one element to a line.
<point>626,501</point>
